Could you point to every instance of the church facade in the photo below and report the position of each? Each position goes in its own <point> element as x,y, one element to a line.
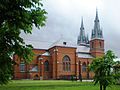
<point>62,59</point>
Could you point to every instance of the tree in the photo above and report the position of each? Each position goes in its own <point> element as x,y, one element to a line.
<point>17,16</point>
<point>102,68</point>
<point>116,71</point>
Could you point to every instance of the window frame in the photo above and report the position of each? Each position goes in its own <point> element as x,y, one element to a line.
<point>46,66</point>
<point>84,67</point>
<point>22,67</point>
<point>66,63</point>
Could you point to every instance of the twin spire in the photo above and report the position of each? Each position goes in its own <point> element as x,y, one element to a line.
<point>82,38</point>
<point>96,32</point>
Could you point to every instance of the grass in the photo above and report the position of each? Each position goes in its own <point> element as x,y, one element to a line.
<point>52,85</point>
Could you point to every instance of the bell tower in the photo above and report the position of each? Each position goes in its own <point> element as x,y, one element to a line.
<point>97,41</point>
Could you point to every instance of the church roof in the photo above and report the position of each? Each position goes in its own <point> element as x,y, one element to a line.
<point>84,55</point>
<point>46,54</point>
<point>60,42</point>
<point>46,45</point>
<point>83,49</point>
<point>39,45</point>
<point>64,43</point>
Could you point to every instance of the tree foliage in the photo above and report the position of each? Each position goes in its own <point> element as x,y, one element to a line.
<point>17,16</point>
<point>116,70</point>
<point>102,68</point>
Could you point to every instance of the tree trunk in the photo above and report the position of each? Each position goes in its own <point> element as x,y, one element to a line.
<point>100,87</point>
<point>104,87</point>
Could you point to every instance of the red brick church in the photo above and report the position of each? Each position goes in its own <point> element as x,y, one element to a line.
<point>62,59</point>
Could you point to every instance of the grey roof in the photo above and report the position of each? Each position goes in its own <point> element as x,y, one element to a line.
<point>45,45</point>
<point>46,54</point>
<point>64,43</point>
<point>39,45</point>
<point>84,55</point>
<point>83,49</point>
<point>61,42</point>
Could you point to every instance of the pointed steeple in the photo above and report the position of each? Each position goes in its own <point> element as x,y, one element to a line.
<point>96,32</point>
<point>82,37</point>
<point>96,18</point>
<point>82,26</point>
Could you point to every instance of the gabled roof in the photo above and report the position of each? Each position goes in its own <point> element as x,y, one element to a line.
<point>46,54</point>
<point>61,42</point>
<point>64,43</point>
<point>83,49</point>
<point>39,45</point>
<point>84,55</point>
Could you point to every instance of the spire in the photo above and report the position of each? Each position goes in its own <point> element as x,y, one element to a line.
<point>82,38</point>
<point>96,18</point>
<point>82,26</point>
<point>96,32</point>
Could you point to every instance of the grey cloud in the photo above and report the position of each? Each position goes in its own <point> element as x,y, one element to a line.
<point>64,18</point>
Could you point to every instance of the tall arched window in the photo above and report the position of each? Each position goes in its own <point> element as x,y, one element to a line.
<point>46,66</point>
<point>84,67</point>
<point>66,63</point>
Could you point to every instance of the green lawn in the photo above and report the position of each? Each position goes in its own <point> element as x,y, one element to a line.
<point>52,85</point>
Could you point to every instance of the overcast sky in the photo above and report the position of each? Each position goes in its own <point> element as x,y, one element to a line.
<point>64,19</point>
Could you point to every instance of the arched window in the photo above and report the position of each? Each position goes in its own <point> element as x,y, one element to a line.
<point>46,66</point>
<point>84,67</point>
<point>66,63</point>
